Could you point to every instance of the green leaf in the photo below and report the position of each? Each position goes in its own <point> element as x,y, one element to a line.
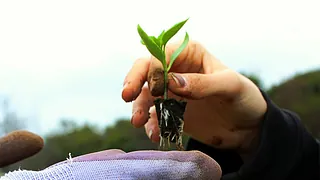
<point>172,31</point>
<point>153,48</point>
<point>142,42</point>
<point>160,37</point>
<point>155,40</point>
<point>176,53</point>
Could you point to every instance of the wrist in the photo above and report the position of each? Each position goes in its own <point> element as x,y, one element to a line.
<point>250,143</point>
<point>251,136</point>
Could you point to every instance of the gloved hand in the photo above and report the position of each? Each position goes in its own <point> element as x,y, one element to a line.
<point>18,145</point>
<point>116,164</point>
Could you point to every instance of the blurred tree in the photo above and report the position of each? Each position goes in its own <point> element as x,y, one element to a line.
<point>10,120</point>
<point>75,139</point>
<point>301,94</point>
<point>123,136</point>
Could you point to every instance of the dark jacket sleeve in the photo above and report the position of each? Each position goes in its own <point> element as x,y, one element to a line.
<point>286,151</point>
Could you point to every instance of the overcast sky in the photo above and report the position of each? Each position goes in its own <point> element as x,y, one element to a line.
<point>68,58</point>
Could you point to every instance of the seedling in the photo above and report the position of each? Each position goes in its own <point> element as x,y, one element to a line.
<point>169,111</point>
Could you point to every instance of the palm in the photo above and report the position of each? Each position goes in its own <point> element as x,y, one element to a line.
<point>214,115</point>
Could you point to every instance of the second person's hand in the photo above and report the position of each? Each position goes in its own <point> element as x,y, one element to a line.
<point>224,108</point>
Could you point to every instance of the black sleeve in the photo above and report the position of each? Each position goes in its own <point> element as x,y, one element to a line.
<point>286,151</point>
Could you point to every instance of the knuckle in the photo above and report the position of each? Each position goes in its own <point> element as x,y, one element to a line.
<point>196,50</point>
<point>196,87</point>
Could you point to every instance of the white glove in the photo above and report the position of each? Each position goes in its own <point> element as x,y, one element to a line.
<point>116,164</point>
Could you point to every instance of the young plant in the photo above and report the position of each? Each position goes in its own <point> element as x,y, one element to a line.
<point>169,111</point>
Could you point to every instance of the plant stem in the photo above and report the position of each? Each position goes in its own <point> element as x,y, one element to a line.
<point>165,73</point>
<point>165,83</point>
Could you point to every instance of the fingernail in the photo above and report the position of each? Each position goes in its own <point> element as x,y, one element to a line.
<point>150,134</point>
<point>179,80</point>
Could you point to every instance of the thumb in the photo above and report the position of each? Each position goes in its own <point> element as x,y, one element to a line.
<point>19,145</point>
<point>197,86</point>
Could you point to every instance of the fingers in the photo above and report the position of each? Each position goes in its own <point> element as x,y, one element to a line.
<point>193,59</point>
<point>140,109</point>
<point>197,86</point>
<point>151,127</point>
<point>19,145</point>
<point>105,154</point>
<point>144,115</point>
<point>135,79</point>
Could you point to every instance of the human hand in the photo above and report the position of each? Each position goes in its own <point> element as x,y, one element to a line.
<point>116,164</point>
<point>224,107</point>
<point>18,145</point>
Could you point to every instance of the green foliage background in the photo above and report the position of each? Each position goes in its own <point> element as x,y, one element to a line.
<point>300,94</point>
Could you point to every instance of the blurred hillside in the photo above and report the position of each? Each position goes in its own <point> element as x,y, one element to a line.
<point>300,94</point>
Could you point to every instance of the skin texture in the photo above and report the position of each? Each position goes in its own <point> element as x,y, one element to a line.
<point>224,108</point>
<point>19,145</point>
